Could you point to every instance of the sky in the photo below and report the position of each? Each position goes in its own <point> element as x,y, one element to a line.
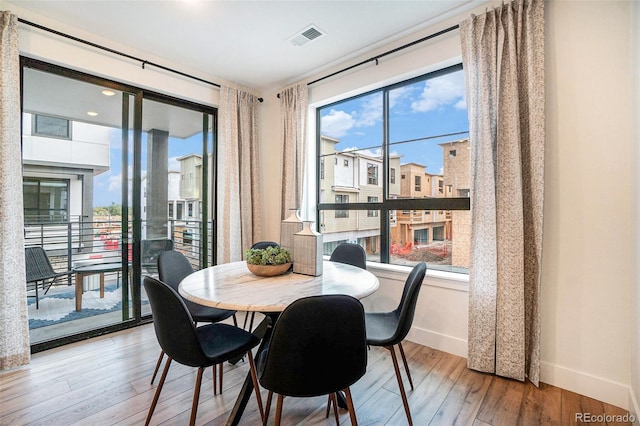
<point>423,109</point>
<point>107,186</point>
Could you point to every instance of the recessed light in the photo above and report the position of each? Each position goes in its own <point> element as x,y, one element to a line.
<point>108,92</point>
<point>92,113</point>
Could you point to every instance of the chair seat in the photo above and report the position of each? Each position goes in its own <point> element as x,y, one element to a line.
<point>202,313</point>
<point>221,342</point>
<point>381,328</point>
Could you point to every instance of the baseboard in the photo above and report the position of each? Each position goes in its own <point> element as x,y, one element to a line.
<point>634,406</point>
<point>441,342</point>
<point>599,388</point>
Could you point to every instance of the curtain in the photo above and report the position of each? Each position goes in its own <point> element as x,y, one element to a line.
<point>293,110</point>
<point>503,58</point>
<point>238,203</point>
<point>14,332</point>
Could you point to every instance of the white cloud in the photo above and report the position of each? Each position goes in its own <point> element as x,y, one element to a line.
<point>115,183</point>
<point>337,123</point>
<point>441,91</point>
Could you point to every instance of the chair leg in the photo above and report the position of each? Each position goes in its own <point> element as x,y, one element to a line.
<point>329,401</point>
<point>196,397</point>
<point>220,376</point>
<point>235,320</point>
<point>401,385</point>
<point>352,410</point>
<point>158,390</point>
<point>158,363</point>
<point>256,387</point>
<point>406,366</point>
<point>334,398</point>
<point>279,409</point>
<point>253,315</point>
<point>214,371</point>
<point>267,408</point>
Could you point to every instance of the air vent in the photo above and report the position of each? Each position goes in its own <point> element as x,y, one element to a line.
<point>305,36</point>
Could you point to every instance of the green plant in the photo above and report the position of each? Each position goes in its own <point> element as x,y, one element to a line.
<point>268,256</point>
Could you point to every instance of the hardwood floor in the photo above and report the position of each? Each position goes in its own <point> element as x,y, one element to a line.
<point>105,381</point>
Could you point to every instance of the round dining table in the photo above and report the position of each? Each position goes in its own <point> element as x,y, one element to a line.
<point>232,286</point>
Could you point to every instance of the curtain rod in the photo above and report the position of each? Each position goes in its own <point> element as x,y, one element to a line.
<point>116,52</point>
<point>375,58</point>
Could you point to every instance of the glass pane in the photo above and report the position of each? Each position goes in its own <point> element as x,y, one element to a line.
<point>440,238</point>
<point>72,174</point>
<point>361,227</point>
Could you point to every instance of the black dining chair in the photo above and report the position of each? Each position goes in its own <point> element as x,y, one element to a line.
<point>388,329</point>
<point>351,254</point>
<point>318,347</point>
<point>173,267</point>
<point>193,346</point>
<point>261,245</point>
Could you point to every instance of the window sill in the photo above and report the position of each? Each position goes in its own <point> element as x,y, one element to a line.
<point>434,278</point>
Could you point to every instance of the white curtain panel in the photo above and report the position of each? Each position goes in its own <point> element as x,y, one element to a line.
<point>238,201</point>
<point>14,331</point>
<point>293,112</point>
<point>503,58</point>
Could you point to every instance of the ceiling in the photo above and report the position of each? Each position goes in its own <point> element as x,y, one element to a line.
<point>246,42</point>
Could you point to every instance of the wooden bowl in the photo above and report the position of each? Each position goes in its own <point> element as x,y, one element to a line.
<point>268,270</point>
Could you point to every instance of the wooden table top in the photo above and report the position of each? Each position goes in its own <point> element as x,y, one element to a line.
<point>232,286</point>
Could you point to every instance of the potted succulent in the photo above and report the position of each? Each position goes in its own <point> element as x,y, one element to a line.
<point>269,261</point>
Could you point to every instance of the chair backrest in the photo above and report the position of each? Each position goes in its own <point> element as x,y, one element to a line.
<point>318,346</point>
<point>173,267</point>
<point>351,254</point>
<point>151,249</point>
<point>173,324</point>
<point>264,244</point>
<point>407,307</point>
<point>38,266</point>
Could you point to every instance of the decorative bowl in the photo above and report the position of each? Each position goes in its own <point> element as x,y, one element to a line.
<point>268,270</point>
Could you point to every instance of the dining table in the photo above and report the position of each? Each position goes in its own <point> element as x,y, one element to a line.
<point>232,286</point>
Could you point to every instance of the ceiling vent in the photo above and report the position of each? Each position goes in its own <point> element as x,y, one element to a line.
<point>305,36</point>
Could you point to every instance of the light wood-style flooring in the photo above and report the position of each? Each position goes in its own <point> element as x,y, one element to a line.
<point>105,381</point>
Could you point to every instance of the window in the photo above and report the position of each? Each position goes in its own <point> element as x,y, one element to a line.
<point>346,163</point>
<point>410,129</point>
<point>372,174</point>
<point>372,213</point>
<point>190,209</point>
<point>54,127</point>
<point>45,200</point>
<point>170,209</point>
<point>342,199</point>
<point>179,213</point>
<point>322,168</point>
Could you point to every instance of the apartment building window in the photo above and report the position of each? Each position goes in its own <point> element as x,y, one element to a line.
<point>408,128</point>
<point>190,209</point>
<point>45,200</point>
<point>342,199</point>
<point>372,213</point>
<point>372,174</point>
<point>170,209</point>
<point>53,127</point>
<point>346,163</point>
<point>441,187</point>
<point>322,168</point>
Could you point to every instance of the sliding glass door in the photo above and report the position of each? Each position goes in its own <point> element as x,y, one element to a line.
<point>112,175</point>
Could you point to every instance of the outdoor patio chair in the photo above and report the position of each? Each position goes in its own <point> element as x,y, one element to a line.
<point>39,271</point>
<point>151,250</point>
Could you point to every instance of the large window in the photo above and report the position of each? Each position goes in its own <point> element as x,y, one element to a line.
<point>419,129</point>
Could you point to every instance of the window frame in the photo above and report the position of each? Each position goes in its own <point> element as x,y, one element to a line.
<point>387,205</point>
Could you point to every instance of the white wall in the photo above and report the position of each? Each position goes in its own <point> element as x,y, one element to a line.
<point>588,247</point>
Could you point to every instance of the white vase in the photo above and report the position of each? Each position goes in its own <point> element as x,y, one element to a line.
<point>307,246</point>
<point>288,227</point>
